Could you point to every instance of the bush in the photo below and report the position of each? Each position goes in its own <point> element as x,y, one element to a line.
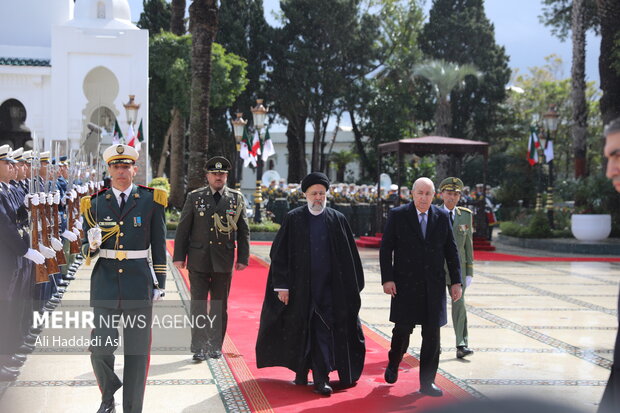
<point>537,227</point>
<point>265,226</point>
<point>161,183</point>
<point>172,225</point>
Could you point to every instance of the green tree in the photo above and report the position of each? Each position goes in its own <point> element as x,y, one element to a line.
<point>203,27</point>
<point>155,16</point>
<point>609,15</point>
<point>388,105</point>
<point>558,14</point>
<point>324,46</point>
<point>459,31</point>
<point>578,89</point>
<point>244,32</point>
<point>341,160</point>
<point>177,17</point>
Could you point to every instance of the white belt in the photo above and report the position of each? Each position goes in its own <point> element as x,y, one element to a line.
<point>123,255</point>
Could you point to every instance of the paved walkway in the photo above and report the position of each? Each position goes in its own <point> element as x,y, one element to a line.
<point>538,328</point>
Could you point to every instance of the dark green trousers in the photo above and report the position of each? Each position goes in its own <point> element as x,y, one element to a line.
<point>136,342</point>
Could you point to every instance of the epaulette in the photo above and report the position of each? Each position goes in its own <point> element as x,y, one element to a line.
<point>85,203</point>
<point>465,209</point>
<point>147,188</point>
<point>159,195</point>
<point>202,188</point>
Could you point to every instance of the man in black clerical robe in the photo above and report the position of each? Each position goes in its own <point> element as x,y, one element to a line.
<point>310,318</point>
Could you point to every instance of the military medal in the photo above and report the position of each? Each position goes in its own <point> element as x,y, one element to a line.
<point>137,221</point>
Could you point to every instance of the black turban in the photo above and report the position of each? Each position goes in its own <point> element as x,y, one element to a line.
<point>313,179</point>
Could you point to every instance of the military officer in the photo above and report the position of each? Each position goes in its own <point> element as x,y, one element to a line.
<point>461,218</point>
<point>213,217</point>
<point>126,227</point>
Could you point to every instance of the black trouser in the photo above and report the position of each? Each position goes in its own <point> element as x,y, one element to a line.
<point>429,354</point>
<point>319,351</point>
<point>137,344</point>
<point>214,313</point>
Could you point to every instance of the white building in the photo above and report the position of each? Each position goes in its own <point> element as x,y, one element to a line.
<point>279,162</point>
<point>65,65</point>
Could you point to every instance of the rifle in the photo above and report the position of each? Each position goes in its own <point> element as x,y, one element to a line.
<point>52,265</point>
<point>74,246</point>
<point>60,255</point>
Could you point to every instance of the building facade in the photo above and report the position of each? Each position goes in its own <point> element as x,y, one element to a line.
<point>66,69</point>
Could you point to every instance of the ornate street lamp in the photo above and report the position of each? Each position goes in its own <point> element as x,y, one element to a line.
<point>238,127</point>
<point>259,114</point>
<point>131,110</point>
<point>551,121</point>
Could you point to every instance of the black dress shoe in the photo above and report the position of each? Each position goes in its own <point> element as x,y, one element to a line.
<point>19,356</point>
<point>107,406</point>
<point>8,374</point>
<point>25,349</point>
<point>431,390</point>
<point>62,284</point>
<point>35,330</point>
<point>199,356</point>
<point>30,339</point>
<point>462,351</point>
<point>68,277</point>
<point>301,378</point>
<point>14,362</point>
<point>215,354</point>
<point>391,374</point>
<point>324,389</point>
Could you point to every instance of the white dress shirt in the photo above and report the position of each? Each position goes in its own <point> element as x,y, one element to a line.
<point>118,192</point>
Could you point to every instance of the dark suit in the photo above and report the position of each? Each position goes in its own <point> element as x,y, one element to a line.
<point>210,257</point>
<point>416,265</point>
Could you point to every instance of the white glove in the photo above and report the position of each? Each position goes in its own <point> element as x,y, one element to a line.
<point>56,198</point>
<point>69,236</point>
<point>34,199</point>
<point>47,252</point>
<point>56,244</point>
<point>76,232</point>
<point>68,196</point>
<point>73,194</point>
<point>42,198</point>
<point>158,294</point>
<point>468,280</point>
<point>77,224</point>
<point>94,237</point>
<point>27,200</point>
<point>35,256</point>
<point>50,199</point>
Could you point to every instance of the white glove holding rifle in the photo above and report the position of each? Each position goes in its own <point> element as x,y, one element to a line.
<point>69,236</point>
<point>34,256</point>
<point>56,244</point>
<point>46,252</point>
<point>94,238</point>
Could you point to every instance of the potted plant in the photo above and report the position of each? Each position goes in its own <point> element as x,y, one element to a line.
<point>591,220</point>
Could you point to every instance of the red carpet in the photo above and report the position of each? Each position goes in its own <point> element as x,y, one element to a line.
<point>270,389</point>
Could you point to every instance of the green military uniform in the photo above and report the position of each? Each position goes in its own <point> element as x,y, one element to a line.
<point>463,235</point>
<point>124,279</point>
<point>206,237</point>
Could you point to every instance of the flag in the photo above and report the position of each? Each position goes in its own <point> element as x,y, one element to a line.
<point>244,151</point>
<point>549,151</point>
<point>255,150</point>
<point>139,137</point>
<point>118,135</point>
<point>268,148</point>
<point>131,136</point>
<point>532,148</point>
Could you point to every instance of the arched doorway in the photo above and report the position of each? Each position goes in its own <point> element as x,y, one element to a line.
<point>100,88</point>
<point>13,129</point>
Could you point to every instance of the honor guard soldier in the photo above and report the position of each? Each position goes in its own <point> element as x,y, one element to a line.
<point>461,219</point>
<point>126,228</point>
<point>213,218</point>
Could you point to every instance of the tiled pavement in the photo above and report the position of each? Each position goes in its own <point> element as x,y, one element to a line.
<point>538,329</point>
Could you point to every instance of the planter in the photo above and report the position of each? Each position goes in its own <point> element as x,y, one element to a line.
<point>590,227</point>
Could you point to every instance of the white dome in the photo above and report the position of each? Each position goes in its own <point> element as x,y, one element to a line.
<point>102,13</point>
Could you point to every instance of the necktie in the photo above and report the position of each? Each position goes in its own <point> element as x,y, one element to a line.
<point>122,201</point>
<point>451,217</point>
<point>217,196</point>
<point>423,223</point>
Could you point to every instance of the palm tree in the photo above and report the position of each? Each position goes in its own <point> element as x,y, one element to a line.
<point>203,27</point>
<point>445,77</point>
<point>578,83</point>
<point>341,160</point>
<point>177,127</point>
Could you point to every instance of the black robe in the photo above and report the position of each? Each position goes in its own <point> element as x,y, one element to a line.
<point>284,329</point>
<point>611,396</point>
